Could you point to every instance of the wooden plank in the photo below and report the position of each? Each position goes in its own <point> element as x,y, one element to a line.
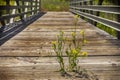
<point>38,43</point>
<point>44,67</point>
<point>48,51</point>
<point>99,60</point>
<point>56,28</point>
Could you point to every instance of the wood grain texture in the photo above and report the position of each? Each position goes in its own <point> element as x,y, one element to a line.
<point>29,55</point>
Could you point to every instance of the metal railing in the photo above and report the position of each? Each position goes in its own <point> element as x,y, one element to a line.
<point>14,13</point>
<point>87,10</point>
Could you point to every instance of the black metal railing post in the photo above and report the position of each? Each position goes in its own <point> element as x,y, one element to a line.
<point>40,5</point>
<point>91,12</point>
<point>2,23</point>
<point>19,10</point>
<point>23,9</point>
<point>8,10</point>
<point>98,13</point>
<point>118,19</point>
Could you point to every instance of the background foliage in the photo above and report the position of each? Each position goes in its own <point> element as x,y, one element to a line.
<point>55,5</point>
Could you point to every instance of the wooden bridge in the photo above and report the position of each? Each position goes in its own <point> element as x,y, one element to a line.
<point>26,52</point>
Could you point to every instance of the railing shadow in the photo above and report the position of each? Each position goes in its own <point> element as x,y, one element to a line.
<point>18,27</point>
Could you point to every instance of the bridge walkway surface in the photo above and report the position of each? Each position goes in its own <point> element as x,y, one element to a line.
<point>29,54</point>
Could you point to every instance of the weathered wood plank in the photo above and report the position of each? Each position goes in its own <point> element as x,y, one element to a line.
<point>112,61</point>
<point>46,67</point>
<point>45,43</point>
<point>47,51</point>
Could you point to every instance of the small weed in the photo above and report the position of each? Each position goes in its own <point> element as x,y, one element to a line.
<point>58,47</point>
<point>72,49</point>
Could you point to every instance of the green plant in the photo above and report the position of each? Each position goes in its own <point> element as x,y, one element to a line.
<point>58,47</point>
<point>75,22</point>
<point>72,49</point>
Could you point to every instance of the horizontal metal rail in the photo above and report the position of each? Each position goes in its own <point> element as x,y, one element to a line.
<point>112,24</point>
<point>15,15</point>
<point>25,0</point>
<point>107,9</point>
<point>15,7</point>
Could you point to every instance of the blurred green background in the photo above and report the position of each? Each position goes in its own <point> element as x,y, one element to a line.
<point>55,5</point>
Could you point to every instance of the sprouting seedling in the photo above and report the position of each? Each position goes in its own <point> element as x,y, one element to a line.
<point>58,49</point>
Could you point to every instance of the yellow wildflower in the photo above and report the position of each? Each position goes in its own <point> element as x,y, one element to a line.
<point>73,33</point>
<point>82,32</point>
<point>62,32</point>
<point>84,54</point>
<point>67,39</point>
<point>74,51</point>
<point>54,42</point>
<point>76,16</point>
<point>85,41</point>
